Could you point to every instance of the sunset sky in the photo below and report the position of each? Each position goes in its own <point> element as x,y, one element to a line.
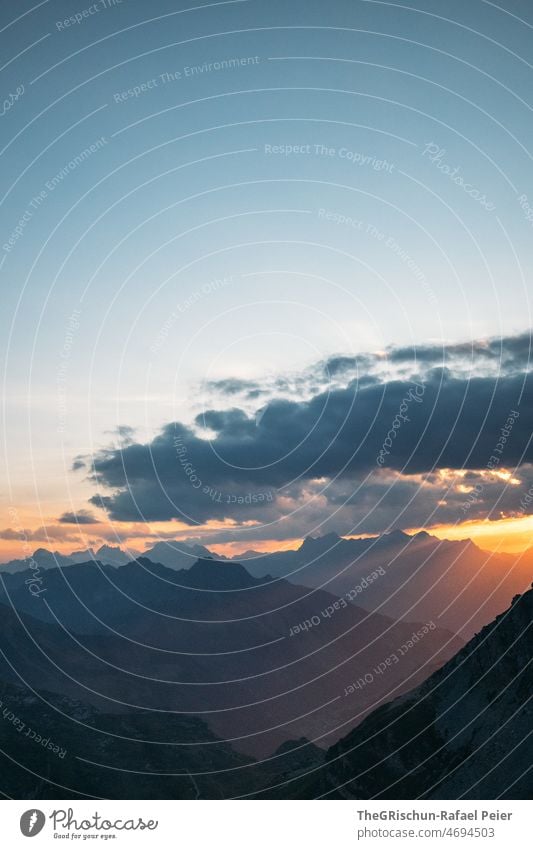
<point>236,249</point>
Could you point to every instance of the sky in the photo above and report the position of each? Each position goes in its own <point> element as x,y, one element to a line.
<point>236,237</point>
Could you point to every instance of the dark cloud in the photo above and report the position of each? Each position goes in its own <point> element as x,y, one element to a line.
<point>494,356</point>
<point>233,421</point>
<point>340,366</point>
<point>11,533</point>
<point>81,517</point>
<point>125,433</point>
<point>338,435</point>
<point>232,386</point>
<point>511,352</point>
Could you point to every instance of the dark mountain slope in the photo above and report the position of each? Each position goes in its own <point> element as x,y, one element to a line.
<point>54,747</point>
<point>422,577</point>
<point>462,734</point>
<point>260,662</point>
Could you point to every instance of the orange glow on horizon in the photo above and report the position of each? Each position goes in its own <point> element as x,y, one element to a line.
<point>504,535</point>
<point>231,549</point>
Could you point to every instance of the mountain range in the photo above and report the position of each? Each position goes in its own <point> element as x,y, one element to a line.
<point>175,555</point>
<point>261,661</point>
<point>420,576</point>
<point>336,669</point>
<point>462,733</point>
<point>458,584</point>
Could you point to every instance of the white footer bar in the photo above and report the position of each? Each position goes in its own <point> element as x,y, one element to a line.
<point>267,824</point>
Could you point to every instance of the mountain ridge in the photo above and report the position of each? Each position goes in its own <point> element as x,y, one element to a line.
<point>461,734</point>
<point>267,661</point>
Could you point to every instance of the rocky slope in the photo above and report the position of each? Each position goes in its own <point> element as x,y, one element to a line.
<point>464,733</point>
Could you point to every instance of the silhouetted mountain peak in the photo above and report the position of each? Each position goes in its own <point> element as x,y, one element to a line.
<point>317,545</point>
<point>209,574</point>
<point>175,554</point>
<point>395,537</point>
<point>249,554</point>
<point>44,554</point>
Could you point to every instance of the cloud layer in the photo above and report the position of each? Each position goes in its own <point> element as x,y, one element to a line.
<point>371,452</point>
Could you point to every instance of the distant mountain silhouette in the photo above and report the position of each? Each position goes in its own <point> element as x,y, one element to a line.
<point>42,557</point>
<point>421,577</point>
<point>455,582</point>
<point>177,555</point>
<point>463,585</point>
<point>111,555</point>
<point>172,554</point>
<point>262,661</point>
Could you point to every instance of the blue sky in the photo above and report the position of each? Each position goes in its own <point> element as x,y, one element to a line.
<point>339,178</point>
